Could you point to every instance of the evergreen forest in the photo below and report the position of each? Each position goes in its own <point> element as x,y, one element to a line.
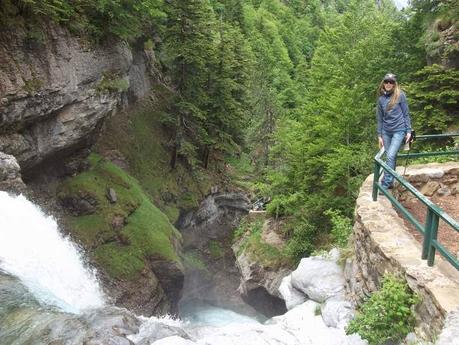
<point>283,90</point>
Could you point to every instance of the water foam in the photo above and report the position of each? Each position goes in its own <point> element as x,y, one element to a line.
<point>49,265</point>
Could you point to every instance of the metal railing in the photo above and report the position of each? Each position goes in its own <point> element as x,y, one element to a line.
<point>429,229</point>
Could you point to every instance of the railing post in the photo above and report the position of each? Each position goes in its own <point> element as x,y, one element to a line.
<point>431,256</point>
<point>427,235</point>
<point>376,174</point>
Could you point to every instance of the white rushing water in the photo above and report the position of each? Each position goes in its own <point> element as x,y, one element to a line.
<point>49,265</point>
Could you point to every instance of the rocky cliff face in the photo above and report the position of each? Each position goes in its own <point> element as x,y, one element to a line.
<point>260,281</point>
<point>442,44</point>
<point>56,91</point>
<point>211,274</point>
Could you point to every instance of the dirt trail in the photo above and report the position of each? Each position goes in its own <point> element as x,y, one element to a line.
<point>446,234</point>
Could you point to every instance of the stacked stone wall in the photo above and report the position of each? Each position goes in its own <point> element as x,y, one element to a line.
<point>432,179</point>
<point>383,245</point>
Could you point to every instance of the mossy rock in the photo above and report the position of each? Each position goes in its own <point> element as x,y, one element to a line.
<point>249,238</point>
<point>216,249</point>
<point>141,139</point>
<point>120,236</point>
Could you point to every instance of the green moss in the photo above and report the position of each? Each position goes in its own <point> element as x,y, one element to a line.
<point>140,136</point>
<point>173,213</point>
<point>249,232</point>
<point>146,232</point>
<point>33,85</point>
<point>144,240</point>
<point>148,45</point>
<point>215,249</point>
<point>268,255</point>
<point>91,230</point>
<point>119,261</point>
<point>189,200</point>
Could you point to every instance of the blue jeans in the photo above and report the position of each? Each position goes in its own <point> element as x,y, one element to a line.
<point>392,142</point>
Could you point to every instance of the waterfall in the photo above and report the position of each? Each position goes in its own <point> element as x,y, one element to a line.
<point>48,264</point>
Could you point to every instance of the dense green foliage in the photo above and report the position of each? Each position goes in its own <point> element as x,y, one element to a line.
<point>387,315</point>
<point>435,98</point>
<point>208,62</point>
<point>96,18</point>
<point>341,228</point>
<point>324,147</point>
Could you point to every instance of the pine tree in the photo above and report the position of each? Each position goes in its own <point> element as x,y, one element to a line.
<point>324,149</point>
<point>190,52</point>
<point>228,89</point>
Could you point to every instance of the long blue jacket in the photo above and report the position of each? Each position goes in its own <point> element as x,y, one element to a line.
<point>395,119</point>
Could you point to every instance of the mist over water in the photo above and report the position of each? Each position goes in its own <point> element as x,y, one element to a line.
<point>49,265</point>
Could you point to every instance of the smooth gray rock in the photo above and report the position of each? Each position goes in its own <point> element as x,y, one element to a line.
<point>319,278</point>
<point>10,174</point>
<point>153,329</point>
<point>111,195</point>
<point>411,339</point>
<point>337,313</point>
<point>291,296</point>
<point>9,167</point>
<point>450,332</point>
<point>174,340</point>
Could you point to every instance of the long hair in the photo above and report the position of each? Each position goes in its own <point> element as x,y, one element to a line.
<point>395,94</point>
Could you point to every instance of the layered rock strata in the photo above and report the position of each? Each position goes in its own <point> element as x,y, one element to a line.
<point>55,92</point>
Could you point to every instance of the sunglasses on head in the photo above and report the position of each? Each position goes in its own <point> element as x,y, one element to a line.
<point>389,82</point>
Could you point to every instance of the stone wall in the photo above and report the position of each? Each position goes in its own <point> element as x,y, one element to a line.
<point>383,245</point>
<point>432,179</point>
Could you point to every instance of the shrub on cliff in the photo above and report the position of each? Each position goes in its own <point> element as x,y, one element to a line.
<point>387,314</point>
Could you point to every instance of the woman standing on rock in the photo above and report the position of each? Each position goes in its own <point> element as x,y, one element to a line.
<point>394,122</point>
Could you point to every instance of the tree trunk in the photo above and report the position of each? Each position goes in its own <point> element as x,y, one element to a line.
<point>205,156</point>
<point>177,141</point>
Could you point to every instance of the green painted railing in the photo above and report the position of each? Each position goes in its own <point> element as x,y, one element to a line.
<point>429,229</point>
